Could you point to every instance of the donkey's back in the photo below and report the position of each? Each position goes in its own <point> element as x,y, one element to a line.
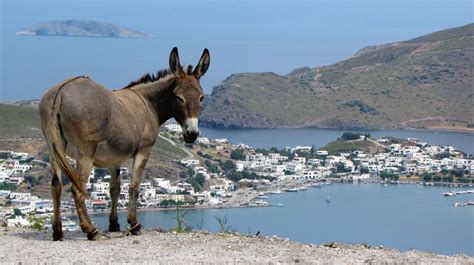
<point>80,102</point>
<point>94,122</point>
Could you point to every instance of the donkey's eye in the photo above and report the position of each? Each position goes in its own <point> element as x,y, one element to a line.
<point>180,99</point>
<point>201,98</point>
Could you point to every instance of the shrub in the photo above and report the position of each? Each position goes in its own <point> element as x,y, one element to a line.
<point>181,226</point>
<point>347,136</point>
<point>223,227</point>
<point>228,165</point>
<point>237,154</point>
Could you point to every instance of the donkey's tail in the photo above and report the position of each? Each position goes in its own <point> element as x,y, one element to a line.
<point>57,146</point>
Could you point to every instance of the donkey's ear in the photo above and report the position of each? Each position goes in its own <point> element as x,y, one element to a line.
<point>175,65</point>
<point>203,64</point>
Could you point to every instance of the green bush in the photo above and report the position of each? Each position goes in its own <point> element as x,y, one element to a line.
<point>237,154</point>
<point>389,175</point>
<point>228,165</point>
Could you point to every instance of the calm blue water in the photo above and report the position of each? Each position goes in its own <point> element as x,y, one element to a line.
<point>242,36</point>
<point>402,217</point>
<point>266,138</point>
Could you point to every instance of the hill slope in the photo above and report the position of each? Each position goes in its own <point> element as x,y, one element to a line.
<point>83,28</point>
<point>423,82</point>
<point>19,120</point>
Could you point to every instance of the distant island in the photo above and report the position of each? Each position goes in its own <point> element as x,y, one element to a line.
<point>81,28</point>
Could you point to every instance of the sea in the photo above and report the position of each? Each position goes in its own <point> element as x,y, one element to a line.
<point>404,216</point>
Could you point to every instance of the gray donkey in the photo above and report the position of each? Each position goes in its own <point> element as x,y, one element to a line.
<point>104,128</point>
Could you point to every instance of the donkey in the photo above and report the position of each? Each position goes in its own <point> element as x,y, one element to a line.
<point>100,127</point>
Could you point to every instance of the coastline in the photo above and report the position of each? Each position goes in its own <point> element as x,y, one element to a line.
<point>240,199</point>
<point>403,128</point>
<point>243,197</point>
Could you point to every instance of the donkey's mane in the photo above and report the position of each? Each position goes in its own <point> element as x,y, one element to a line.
<point>148,78</point>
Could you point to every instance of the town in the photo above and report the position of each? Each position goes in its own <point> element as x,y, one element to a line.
<point>222,174</point>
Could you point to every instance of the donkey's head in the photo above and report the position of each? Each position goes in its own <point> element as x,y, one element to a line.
<point>188,94</point>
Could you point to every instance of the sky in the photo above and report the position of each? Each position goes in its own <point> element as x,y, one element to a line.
<point>242,36</point>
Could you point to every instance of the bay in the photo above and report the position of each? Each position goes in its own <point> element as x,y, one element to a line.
<point>266,138</point>
<point>398,216</point>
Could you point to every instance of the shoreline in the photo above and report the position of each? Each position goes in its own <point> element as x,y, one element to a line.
<point>430,129</point>
<point>241,198</point>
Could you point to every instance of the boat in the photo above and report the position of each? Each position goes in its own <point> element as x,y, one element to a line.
<point>291,190</point>
<point>262,197</point>
<point>259,203</point>
<point>447,194</point>
<point>275,192</point>
<point>385,185</point>
<point>327,199</point>
<point>280,205</point>
<point>70,225</point>
<point>303,188</point>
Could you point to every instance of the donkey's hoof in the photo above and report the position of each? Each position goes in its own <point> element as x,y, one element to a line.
<point>114,227</point>
<point>93,235</point>
<point>136,229</point>
<point>58,235</point>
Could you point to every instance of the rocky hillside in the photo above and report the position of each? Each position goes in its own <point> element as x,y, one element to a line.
<point>80,28</point>
<point>423,82</point>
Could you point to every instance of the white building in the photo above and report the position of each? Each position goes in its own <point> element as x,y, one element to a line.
<point>294,167</point>
<point>221,141</point>
<point>322,153</point>
<point>203,140</point>
<point>20,195</point>
<point>173,127</point>
<point>300,160</point>
<point>278,168</point>
<point>190,162</point>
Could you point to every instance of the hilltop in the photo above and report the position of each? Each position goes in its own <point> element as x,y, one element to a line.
<point>80,28</point>
<point>425,82</point>
<point>200,247</point>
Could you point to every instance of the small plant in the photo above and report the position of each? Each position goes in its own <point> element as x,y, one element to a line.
<point>181,225</point>
<point>222,221</point>
<point>37,223</point>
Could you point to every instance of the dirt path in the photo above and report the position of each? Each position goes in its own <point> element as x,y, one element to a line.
<point>198,247</point>
<point>190,155</point>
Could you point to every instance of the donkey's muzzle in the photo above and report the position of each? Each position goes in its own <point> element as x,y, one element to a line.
<point>191,130</point>
<point>190,136</point>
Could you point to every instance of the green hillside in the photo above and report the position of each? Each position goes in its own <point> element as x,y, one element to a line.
<point>423,82</point>
<point>19,121</point>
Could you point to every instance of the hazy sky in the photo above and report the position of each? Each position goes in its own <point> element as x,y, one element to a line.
<point>243,36</point>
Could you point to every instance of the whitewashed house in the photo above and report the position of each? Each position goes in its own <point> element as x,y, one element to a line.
<point>173,127</point>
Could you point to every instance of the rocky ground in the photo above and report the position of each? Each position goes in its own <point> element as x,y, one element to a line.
<point>26,246</point>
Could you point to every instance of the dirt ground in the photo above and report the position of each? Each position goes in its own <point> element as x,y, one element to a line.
<point>26,246</point>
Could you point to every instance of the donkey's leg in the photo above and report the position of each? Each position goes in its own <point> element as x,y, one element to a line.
<point>56,189</point>
<point>139,163</point>
<point>84,166</point>
<point>114,225</point>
